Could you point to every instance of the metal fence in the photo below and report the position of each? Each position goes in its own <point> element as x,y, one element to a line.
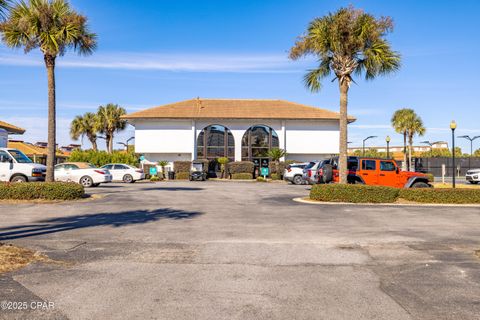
<point>434,165</point>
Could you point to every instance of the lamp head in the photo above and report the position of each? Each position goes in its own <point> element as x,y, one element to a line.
<point>387,139</point>
<point>453,125</point>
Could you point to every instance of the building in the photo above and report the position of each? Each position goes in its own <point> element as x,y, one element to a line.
<point>7,129</point>
<point>240,129</point>
<point>36,153</point>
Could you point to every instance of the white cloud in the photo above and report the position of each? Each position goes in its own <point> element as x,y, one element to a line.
<point>256,63</point>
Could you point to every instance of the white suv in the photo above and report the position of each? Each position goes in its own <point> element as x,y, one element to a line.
<point>294,173</point>
<point>473,176</point>
<point>17,167</point>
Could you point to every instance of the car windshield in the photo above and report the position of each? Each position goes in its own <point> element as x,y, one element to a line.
<point>310,165</point>
<point>19,156</point>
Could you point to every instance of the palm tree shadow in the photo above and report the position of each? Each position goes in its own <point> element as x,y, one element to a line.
<point>115,219</point>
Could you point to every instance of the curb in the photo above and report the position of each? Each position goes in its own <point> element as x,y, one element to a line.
<point>314,202</point>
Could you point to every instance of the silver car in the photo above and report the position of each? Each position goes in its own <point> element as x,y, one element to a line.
<point>310,171</point>
<point>473,176</point>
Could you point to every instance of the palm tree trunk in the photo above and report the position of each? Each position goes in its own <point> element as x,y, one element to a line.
<point>343,132</point>
<point>410,145</point>
<point>404,164</point>
<point>93,141</point>
<point>110,143</point>
<point>50,64</point>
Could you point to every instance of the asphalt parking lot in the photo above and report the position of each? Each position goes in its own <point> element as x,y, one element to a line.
<point>222,250</point>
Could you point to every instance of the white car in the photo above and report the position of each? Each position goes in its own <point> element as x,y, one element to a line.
<point>124,172</point>
<point>17,167</point>
<point>294,173</point>
<point>473,176</point>
<point>81,172</point>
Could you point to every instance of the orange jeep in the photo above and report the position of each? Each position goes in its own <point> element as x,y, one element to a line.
<point>373,171</point>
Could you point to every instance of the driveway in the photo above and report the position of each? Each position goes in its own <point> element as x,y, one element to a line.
<point>222,250</point>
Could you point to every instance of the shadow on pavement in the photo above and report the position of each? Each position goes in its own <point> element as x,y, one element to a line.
<point>173,189</point>
<point>114,219</point>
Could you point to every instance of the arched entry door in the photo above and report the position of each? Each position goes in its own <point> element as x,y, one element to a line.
<point>213,142</point>
<point>257,141</point>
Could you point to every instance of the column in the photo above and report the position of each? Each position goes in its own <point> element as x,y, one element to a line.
<point>194,133</point>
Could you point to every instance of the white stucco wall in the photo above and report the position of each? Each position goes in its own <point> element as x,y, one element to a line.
<point>170,139</point>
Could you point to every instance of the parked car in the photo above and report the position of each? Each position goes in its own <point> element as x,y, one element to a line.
<point>82,172</point>
<point>124,172</point>
<point>17,167</point>
<point>473,176</point>
<point>310,171</point>
<point>294,173</point>
<point>373,171</point>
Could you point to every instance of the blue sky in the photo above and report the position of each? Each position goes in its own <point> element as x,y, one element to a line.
<point>153,52</point>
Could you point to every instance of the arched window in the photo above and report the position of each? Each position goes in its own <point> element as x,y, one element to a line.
<point>215,141</point>
<point>256,142</point>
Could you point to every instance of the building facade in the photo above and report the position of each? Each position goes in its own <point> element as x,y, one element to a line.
<point>235,128</point>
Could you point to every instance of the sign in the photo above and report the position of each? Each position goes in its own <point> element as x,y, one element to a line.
<point>256,162</point>
<point>142,157</point>
<point>153,171</point>
<point>264,171</point>
<point>265,163</point>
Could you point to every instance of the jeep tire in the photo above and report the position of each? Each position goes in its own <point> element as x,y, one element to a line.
<point>420,184</point>
<point>327,175</point>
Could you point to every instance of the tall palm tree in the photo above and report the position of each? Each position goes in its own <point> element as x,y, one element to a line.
<point>53,27</point>
<point>86,125</point>
<point>415,127</point>
<point>3,9</point>
<point>348,42</point>
<point>400,122</point>
<point>110,121</point>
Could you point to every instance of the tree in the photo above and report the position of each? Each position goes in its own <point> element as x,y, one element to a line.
<point>476,153</point>
<point>400,120</point>
<point>370,153</point>
<point>276,154</point>
<point>223,162</point>
<point>348,42</point>
<point>110,121</point>
<point>415,127</point>
<point>86,125</point>
<point>163,164</point>
<point>53,27</point>
<point>3,9</point>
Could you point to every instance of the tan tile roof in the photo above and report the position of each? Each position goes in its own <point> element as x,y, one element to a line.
<point>11,128</point>
<point>234,109</point>
<point>30,149</point>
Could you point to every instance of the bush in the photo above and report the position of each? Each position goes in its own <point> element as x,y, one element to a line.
<point>353,193</point>
<point>181,166</point>
<point>275,176</point>
<point>182,175</point>
<point>242,176</point>
<point>100,158</point>
<point>273,168</point>
<point>431,195</point>
<point>41,190</point>
<point>154,178</point>
<point>261,179</point>
<point>240,167</point>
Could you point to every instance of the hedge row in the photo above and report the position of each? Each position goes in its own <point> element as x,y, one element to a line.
<point>240,167</point>
<point>41,190</point>
<point>242,176</point>
<point>181,166</point>
<point>458,196</point>
<point>100,158</point>
<point>378,194</point>
<point>182,175</point>
<point>353,193</point>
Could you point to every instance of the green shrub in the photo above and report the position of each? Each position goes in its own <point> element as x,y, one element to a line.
<point>432,195</point>
<point>41,190</point>
<point>182,175</point>
<point>181,166</point>
<point>275,176</point>
<point>242,176</point>
<point>154,178</point>
<point>430,176</point>
<point>100,158</point>
<point>240,167</point>
<point>353,193</point>
<point>273,168</point>
<point>261,179</point>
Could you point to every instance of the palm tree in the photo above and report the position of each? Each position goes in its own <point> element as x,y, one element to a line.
<point>276,154</point>
<point>346,42</point>
<point>53,27</point>
<point>86,125</point>
<point>400,120</point>
<point>223,162</point>
<point>3,9</point>
<point>163,164</point>
<point>415,127</point>
<point>110,121</point>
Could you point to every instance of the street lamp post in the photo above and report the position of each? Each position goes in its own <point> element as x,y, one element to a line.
<point>387,139</point>
<point>453,126</point>
<point>471,147</point>
<point>369,137</point>
<point>125,144</point>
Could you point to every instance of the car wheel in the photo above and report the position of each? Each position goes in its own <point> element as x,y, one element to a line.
<point>474,182</point>
<point>127,178</point>
<point>19,179</point>
<point>86,181</point>
<point>420,185</point>
<point>298,179</point>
